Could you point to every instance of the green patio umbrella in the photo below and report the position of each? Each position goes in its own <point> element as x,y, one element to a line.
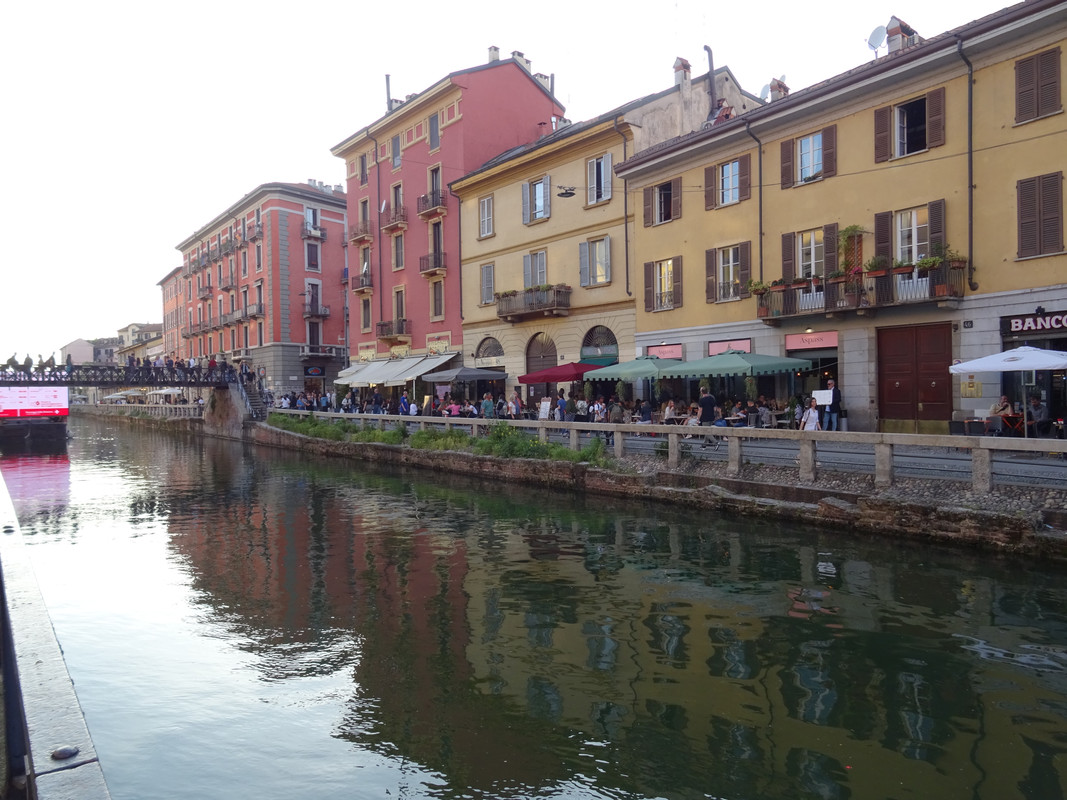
<point>735,362</point>
<point>643,367</point>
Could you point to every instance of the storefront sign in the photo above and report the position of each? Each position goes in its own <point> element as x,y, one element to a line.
<point>1056,321</point>
<point>817,340</point>
<point>744,345</point>
<point>665,350</point>
<point>314,372</point>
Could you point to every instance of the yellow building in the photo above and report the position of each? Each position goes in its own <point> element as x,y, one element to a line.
<point>547,272</point>
<point>943,158</point>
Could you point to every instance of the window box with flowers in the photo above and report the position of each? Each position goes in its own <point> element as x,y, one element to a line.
<point>757,287</point>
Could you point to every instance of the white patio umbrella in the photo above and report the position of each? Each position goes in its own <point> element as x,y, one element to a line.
<point>1018,359</point>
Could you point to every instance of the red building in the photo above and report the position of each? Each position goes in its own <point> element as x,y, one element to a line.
<point>263,282</point>
<point>403,233</point>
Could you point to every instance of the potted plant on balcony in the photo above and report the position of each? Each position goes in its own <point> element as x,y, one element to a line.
<point>953,258</point>
<point>757,287</point>
<point>877,266</point>
<point>837,276</point>
<point>901,267</point>
<point>778,285</point>
<point>927,263</point>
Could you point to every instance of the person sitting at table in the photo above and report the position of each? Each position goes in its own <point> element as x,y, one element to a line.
<point>1037,421</point>
<point>692,421</point>
<point>751,414</point>
<point>763,412</point>
<point>644,413</point>
<point>670,416</point>
<point>994,421</point>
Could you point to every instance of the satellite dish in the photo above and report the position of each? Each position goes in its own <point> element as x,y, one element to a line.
<point>384,204</point>
<point>765,92</point>
<point>877,38</point>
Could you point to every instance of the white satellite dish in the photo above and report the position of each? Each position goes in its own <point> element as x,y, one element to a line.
<point>765,92</point>
<point>877,38</point>
<point>384,204</point>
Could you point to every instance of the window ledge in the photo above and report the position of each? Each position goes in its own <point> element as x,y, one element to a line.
<point>604,202</point>
<point>1055,113</point>
<point>486,236</point>
<point>539,220</point>
<point>909,155</point>
<point>729,300</point>
<point>1041,255</point>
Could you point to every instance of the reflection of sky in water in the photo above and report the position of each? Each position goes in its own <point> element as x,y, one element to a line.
<point>262,617</point>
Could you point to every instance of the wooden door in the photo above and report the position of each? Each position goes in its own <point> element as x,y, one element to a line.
<point>913,377</point>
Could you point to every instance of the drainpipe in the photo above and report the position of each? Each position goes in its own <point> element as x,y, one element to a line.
<point>625,211</point>
<point>459,252</point>
<point>759,172</point>
<point>378,205</point>
<point>972,285</point>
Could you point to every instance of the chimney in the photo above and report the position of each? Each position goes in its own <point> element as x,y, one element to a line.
<point>494,53</point>
<point>778,89</point>
<point>682,71</point>
<point>521,59</point>
<point>544,80</point>
<point>900,35</point>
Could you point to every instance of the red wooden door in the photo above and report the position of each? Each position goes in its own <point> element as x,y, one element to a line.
<point>913,378</point>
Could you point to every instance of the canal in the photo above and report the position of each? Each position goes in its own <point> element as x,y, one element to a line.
<point>255,623</point>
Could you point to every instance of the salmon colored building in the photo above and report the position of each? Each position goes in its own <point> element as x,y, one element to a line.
<point>404,236</point>
<point>262,282</point>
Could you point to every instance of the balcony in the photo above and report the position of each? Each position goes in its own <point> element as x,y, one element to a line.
<point>205,291</point>
<point>214,254</point>
<point>941,285</point>
<point>394,331</point>
<point>361,233</point>
<point>187,331</point>
<point>240,353</point>
<point>395,219</point>
<point>187,269</point>
<point>547,301</point>
<point>361,284</point>
<point>316,310</point>
<point>227,282</point>
<point>432,204</point>
<point>432,265</point>
<point>253,310</point>
<point>323,351</point>
<point>254,231</point>
<point>202,261</point>
<point>228,247</point>
<point>314,231</point>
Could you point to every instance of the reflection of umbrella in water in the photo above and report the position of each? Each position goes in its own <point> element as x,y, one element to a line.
<point>116,396</point>
<point>1018,359</point>
<point>168,391</point>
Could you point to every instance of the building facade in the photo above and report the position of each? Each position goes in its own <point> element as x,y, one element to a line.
<point>403,236</point>
<point>263,282</point>
<point>547,276</point>
<point>883,224</point>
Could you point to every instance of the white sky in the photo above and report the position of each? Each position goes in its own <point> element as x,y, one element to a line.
<point>128,125</point>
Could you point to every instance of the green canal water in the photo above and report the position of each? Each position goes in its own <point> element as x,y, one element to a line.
<point>243,622</point>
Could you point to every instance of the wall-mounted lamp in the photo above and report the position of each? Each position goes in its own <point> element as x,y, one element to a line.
<point>808,330</point>
<point>565,191</point>
<point>1039,310</point>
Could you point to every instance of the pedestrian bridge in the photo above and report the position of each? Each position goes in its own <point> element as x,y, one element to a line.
<point>115,375</point>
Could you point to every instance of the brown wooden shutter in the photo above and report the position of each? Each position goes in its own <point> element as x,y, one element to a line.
<point>829,248</point>
<point>789,255</point>
<point>1050,196</point>
<point>677,274</point>
<point>711,282</point>
<point>883,234</point>
<point>650,285</point>
<point>1048,82</point>
<point>744,183</point>
<point>746,266</point>
<point>935,117</point>
<point>883,118</point>
<point>787,163</point>
<point>1026,89</point>
<point>1026,191</point>
<point>935,215</point>
<point>676,198</point>
<point>650,194</point>
<point>711,196</point>
<point>829,151</point>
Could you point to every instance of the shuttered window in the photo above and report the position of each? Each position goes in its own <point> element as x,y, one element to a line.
<point>910,127</point>
<point>1037,85</point>
<point>662,202</point>
<point>809,158</point>
<point>1040,215</point>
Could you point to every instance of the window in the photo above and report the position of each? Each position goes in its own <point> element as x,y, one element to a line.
<point>259,257</point>
<point>1040,215</point>
<point>257,216</point>
<point>259,333</point>
<point>434,184</point>
<point>398,197</point>
<point>810,253</point>
<point>396,151</point>
<point>398,251</point>
<point>398,303</point>
<point>312,256</point>
<point>594,262</point>
<point>598,179</point>
<point>1037,85</point>
<point>534,269</point>
<point>244,263</point>
<point>910,127</point>
<point>485,216</point>
<point>435,131</point>
<point>364,261</point>
<point>810,157</point>
<point>728,183</point>
<point>727,270</point>
<point>311,217</point>
<point>488,283</point>
<point>363,170</point>
<point>663,202</point>
<point>364,314</point>
<point>912,234</point>
<point>663,284</point>
<point>364,210</point>
<point>437,299</point>
<point>536,200</point>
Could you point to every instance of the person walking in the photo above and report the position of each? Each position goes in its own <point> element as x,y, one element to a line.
<point>707,405</point>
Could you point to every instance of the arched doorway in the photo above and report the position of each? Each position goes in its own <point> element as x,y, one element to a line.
<point>540,354</point>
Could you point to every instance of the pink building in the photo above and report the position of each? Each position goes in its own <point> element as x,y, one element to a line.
<point>263,282</point>
<point>403,236</point>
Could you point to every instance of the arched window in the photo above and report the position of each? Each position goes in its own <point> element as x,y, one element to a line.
<point>600,346</point>
<point>488,348</point>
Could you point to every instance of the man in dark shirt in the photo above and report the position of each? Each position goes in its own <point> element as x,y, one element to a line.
<point>707,404</point>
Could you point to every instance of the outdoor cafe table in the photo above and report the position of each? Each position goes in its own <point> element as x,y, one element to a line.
<point>1013,423</point>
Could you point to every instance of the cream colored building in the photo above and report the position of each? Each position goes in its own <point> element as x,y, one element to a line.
<point>953,143</point>
<point>548,276</point>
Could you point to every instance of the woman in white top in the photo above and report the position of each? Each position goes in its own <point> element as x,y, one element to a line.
<point>810,419</point>
<point>669,415</point>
